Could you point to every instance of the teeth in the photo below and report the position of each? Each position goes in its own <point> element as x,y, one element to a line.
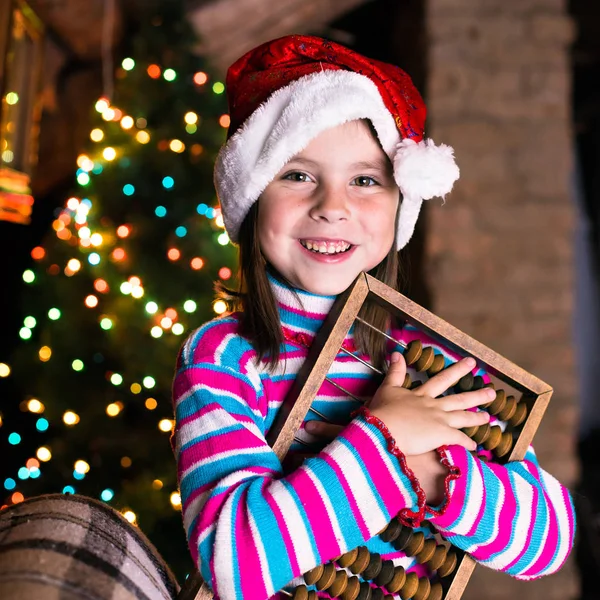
<point>324,247</point>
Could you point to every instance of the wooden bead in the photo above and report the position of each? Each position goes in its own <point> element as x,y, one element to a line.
<point>345,560</point>
<point>505,445</point>
<point>300,593</point>
<point>415,384</point>
<point>388,597</point>
<point>470,431</point>
<point>465,383</point>
<point>413,352</point>
<point>497,404</point>
<point>478,382</point>
<point>410,587</point>
<point>362,560</point>
<point>449,565</point>
<point>437,591</point>
<point>509,410</point>
<point>415,545</point>
<point>407,381</point>
<point>482,433</point>
<point>314,575</point>
<point>427,552</point>
<point>437,365</point>
<point>386,574</point>
<point>327,578</point>
<point>312,595</point>
<point>404,537</point>
<point>423,590</point>
<point>373,568</point>
<point>339,585</point>
<point>365,592</point>
<point>439,556</point>
<point>392,531</point>
<point>493,438</point>
<point>425,360</point>
<point>520,415</point>
<point>397,580</point>
<point>352,589</point>
<point>377,594</point>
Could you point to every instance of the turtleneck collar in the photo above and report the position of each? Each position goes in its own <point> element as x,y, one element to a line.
<point>301,313</point>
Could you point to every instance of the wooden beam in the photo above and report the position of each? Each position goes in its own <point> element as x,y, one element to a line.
<point>80,23</point>
<point>228,28</point>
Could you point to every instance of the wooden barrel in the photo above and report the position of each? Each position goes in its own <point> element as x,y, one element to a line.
<point>72,547</point>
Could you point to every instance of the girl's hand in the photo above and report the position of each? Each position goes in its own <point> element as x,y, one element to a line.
<point>418,420</point>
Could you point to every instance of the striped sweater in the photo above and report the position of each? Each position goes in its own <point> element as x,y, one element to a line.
<point>253,527</point>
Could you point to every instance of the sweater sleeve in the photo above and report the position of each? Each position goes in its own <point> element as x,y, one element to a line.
<point>514,518</point>
<point>251,530</point>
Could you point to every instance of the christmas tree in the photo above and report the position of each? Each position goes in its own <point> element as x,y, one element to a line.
<point>126,272</point>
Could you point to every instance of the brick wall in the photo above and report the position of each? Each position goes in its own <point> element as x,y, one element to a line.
<point>500,251</point>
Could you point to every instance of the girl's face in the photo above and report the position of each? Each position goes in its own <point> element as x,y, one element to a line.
<point>330,213</point>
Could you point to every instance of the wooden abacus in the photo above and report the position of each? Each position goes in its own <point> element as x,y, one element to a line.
<point>452,567</point>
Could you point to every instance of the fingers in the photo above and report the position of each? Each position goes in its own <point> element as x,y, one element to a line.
<point>323,430</point>
<point>397,370</point>
<point>465,418</point>
<point>466,399</point>
<point>445,379</point>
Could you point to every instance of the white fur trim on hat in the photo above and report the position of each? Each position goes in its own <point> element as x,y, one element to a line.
<point>422,170</point>
<point>286,123</point>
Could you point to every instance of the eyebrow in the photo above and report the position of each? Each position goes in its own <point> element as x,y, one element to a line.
<point>379,164</point>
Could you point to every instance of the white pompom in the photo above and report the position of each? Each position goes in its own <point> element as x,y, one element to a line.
<point>424,170</point>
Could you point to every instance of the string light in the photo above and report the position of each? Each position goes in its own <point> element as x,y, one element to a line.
<point>35,406</point>
<point>91,301</point>
<point>127,122</point>
<point>176,500</point>
<point>219,307</point>
<point>38,253</point>
<point>45,353</point>
<point>196,263</point>
<point>109,153</point>
<point>106,323</point>
<point>101,286</point>
<point>151,307</point>
<point>151,404</point>
<point>156,332</point>
<point>102,105</point>
<point>126,462</point>
<point>135,388</point>
<point>143,137</point>
<point>130,516</point>
<point>118,254</point>
<point>170,75</point>
<point>44,454</point>
<point>116,379</point>
<point>173,254</point>
<point>70,418</point>
<point>28,276</point>
<point>96,135</point>
<point>157,484</point>
<point>54,314</point>
<point>112,410</point>
<point>165,425</point>
<point>190,306</point>
<point>218,88</point>
<point>82,467</point>
<point>123,231</point>
<point>154,71</point>
<point>224,121</point>
<point>200,78</point>
<point>178,329</point>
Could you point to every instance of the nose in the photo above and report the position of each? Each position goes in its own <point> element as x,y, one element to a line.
<point>330,205</point>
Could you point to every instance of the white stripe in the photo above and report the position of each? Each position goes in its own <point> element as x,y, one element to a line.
<point>498,503</point>
<point>555,493</point>
<point>198,387</point>
<point>473,500</point>
<point>390,462</point>
<point>331,513</point>
<point>523,492</point>
<point>262,556</point>
<point>218,456</point>
<point>213,422</point>
<point>220,349</point>
<point>224,564</point>
<point>355,478</point>
<point>294,521</point>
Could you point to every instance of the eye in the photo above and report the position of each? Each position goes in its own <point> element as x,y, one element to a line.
<point>364,181</point>
<point>297,176</point>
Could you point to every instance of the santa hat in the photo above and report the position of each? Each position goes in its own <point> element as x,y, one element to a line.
<point>286,92</point>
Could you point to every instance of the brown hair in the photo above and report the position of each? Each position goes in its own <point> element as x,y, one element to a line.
<point>260,322</point>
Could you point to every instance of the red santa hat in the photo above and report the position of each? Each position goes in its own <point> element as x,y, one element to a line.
<point>286,92</point>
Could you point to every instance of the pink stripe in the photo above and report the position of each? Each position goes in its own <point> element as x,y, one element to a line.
<point>482,507</point>
<point>220,379</point>
<point>505,518</point>
<point>458,488</point>
<point>237,440</point>
<point>285,534</point>
<point>532,519</point>
<point>349,495</point>
<point>317,513</point>
<point>551,538</point>
<point>248,562</point>
<point>370,452</point>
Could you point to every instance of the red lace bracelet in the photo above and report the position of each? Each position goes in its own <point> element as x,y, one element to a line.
<point>407,517</point>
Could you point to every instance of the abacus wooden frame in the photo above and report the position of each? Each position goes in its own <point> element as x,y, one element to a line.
<point>535,393</point>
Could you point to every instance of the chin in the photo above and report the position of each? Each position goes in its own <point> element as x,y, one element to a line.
<point>326,287</point>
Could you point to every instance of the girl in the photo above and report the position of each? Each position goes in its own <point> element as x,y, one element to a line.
<point>322,178</point>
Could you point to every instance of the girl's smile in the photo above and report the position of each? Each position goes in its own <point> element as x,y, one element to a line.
<point>330,213</point>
